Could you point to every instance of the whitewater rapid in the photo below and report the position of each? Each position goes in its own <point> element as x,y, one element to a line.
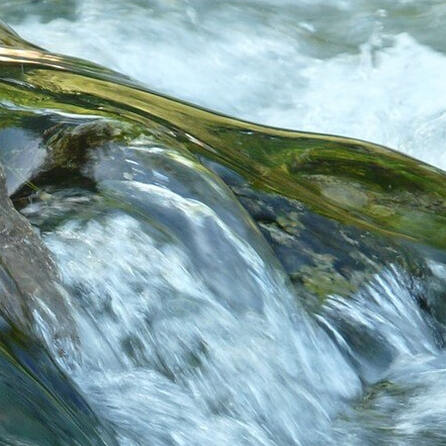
<point>190,332</point>
<point>368,69</point>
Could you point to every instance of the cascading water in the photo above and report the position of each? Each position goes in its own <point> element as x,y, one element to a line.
<point>220,282</point>
<point>190,331</point>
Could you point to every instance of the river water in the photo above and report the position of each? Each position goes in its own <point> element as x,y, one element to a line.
<point>371,69</point>
<point>189,328</point>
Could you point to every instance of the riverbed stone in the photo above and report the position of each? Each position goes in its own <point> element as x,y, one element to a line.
<point>30,293</point>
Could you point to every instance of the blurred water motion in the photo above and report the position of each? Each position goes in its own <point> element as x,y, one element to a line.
<point>190,278</point>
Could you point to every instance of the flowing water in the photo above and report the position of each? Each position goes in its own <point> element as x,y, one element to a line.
<point>191,330</point>
<point>371,69</point>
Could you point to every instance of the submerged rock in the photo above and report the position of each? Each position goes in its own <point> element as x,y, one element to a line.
<point>321,254</point>
<point>33,311</point>
<point>351,181</point>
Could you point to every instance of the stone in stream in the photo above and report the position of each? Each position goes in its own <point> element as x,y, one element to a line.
<point>320,255</point>
<point>336,213</point>
<point>336,208</point>
<point>30,300</point>
<point>31,297</point>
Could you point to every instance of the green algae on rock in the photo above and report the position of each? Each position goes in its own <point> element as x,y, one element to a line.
<point>358,187</point>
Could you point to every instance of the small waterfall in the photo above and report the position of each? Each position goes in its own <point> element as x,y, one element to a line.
<point>194,279</point>
<point>190,331</point>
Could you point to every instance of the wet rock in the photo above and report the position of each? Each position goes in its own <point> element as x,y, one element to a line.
<point>22,150</point>
<point>38,147</point>
<point>68,145</point>
<point>30,295</point>
<point>320,255</point>
<point>32,302</point>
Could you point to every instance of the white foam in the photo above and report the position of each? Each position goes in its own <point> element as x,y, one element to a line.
<point>343,68</point>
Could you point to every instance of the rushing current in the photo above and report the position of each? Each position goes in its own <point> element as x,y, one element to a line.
<point>371,69</point>
<point>221,286</point>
